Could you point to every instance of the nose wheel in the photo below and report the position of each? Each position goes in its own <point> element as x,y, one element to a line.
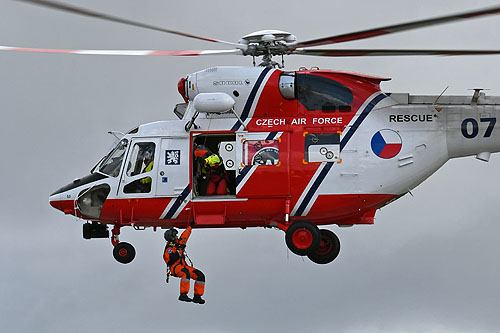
<point>123,252</point>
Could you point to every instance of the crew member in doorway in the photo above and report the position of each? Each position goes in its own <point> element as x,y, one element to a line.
<point>175,258</point>
<point>212,175</point>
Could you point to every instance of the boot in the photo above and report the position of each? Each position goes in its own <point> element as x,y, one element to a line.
<point>185,298</point>
<point>198,299</point>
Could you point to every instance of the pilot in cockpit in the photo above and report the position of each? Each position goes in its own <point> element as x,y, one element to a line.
<point>148,162</point>
<point>144,162</point>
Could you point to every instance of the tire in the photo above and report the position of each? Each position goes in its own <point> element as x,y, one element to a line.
<point>124,252</point>
<point>302,238</point>
<point>328,250</point>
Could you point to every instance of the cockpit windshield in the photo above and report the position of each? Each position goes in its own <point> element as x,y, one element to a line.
<point>113,161</point>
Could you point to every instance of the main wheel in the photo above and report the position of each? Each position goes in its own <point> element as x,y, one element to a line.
<point>328,250</point>
<point>124,252</point>
<point>302,237</point>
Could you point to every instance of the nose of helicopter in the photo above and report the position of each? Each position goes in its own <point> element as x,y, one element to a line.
<point>64,198</point>
<point>59,201</point>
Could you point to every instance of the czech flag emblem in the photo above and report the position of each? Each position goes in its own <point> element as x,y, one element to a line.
<point>386,143</point>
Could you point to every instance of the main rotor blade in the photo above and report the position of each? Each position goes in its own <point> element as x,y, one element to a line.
<point>396,28</point>
<point>386,52</point>
<point>183,53</point>
<point>86,12</point>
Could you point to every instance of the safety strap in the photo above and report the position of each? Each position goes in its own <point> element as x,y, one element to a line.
<point>168,273</point>
<point>190,262</point>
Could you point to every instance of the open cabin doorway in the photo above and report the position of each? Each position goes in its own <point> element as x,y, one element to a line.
<point>224,146</point>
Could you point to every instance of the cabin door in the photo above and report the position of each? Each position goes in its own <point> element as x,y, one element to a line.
<point>173,167</point>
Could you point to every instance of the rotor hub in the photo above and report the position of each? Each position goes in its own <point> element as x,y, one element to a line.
<point>266,44</point>
<point>261,36</point>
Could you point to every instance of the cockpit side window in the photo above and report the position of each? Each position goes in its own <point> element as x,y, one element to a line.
<point>141,161</point>
<point>316,92</point>
<point>142,156</point>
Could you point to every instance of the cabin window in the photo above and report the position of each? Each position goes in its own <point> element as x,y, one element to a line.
<point>322,147</point>
<point>141,162</point>
<point>318,93</point>
<point>261,152</point>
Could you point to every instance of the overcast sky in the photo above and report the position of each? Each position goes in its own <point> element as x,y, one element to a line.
<point>430,262</point>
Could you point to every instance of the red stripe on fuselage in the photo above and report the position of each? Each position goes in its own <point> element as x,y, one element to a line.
<point>328,209</point>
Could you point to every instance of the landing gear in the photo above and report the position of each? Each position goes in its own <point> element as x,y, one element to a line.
<point>305,239</point>
<point>328,250</point>
<point>123,252</point>
<point>302,237</point>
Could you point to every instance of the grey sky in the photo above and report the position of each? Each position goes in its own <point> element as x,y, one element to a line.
<point>430,262</point>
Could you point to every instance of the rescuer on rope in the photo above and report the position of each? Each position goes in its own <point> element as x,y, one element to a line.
<point>175,258</point>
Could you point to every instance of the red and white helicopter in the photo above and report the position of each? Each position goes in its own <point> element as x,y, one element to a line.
<point>301,148</point>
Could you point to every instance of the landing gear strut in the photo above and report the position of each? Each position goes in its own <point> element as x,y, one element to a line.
<point>123,252</point>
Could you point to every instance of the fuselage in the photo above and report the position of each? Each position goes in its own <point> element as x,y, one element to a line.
<point>324,146</point>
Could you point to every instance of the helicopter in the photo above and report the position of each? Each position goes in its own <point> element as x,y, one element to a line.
<point>301,149</point>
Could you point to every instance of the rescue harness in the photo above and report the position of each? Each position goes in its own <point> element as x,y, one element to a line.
<point>184,256</point>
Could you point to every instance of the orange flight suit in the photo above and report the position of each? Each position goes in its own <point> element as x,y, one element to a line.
<point>175,259</point>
